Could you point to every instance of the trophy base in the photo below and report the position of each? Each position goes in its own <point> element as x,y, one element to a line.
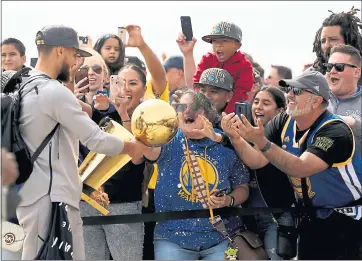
<point>94,204</point>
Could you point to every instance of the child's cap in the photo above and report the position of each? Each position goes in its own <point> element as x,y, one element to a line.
<point>224,29</point>
<point>216,77</point>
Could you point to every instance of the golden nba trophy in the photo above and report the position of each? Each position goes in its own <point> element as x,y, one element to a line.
<point>154,123</point>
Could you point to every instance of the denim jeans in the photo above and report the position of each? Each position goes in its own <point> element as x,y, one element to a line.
<point>268,231</point>
<point>166,250</point>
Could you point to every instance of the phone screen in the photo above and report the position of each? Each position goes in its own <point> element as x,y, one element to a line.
<point>187,27</point>
<point>122,33</point>
<point>243,108</point>
<point>83,39</point>
<point>80,74</point>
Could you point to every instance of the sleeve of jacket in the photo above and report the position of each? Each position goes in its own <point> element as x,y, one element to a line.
<point>242,85</point>
<point>202,66</point>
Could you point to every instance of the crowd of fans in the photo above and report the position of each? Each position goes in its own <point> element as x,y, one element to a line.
<point>301,146</point>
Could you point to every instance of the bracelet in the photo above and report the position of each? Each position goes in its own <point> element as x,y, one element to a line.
<point>266,147</point>
<point>232,201</point>
<point>126,121</point>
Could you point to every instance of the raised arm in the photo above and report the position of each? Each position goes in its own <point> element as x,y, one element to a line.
<point>153,64</point>
<point>187,49</point>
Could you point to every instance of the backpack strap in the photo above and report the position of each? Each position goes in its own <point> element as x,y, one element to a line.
<point>51,134</point>
<point>43,144</point>
<point>30,80</point>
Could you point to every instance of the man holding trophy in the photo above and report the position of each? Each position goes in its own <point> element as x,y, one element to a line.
<point>55,175</point>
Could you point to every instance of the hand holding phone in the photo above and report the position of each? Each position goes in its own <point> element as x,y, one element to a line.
<point>187,27</point>
<point>221,192</point>
<point>80,74</point>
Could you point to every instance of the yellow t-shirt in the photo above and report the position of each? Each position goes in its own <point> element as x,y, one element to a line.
<point>165,96</point>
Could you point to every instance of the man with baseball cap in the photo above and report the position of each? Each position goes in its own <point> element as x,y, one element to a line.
<point>217,85</point>
<point>316,149</point>
<point>48,105</point>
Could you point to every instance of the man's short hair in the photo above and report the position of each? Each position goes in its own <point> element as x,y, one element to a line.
<point>350,50</point>
<point>258,68</point>
<point>17,43</point>
<point>44,49</point>
<point>283,72</point>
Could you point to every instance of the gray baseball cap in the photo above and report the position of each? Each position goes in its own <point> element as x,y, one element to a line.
<point>311,80</point>
<point>217,77</point>
<point>224,29</point>
<point>60,35</point>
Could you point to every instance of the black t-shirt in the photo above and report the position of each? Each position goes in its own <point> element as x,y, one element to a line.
<point>126,184</point>
<point>337,138</point>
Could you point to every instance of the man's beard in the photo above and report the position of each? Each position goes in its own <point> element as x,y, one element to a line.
<point>296,112</point>
<point>64,74</point>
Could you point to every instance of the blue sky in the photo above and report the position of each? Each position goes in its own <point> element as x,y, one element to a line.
<point>273,32</point>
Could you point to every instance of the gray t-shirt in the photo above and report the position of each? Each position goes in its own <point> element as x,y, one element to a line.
<point>40,113</point>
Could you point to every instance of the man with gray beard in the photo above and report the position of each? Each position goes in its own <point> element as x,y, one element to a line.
<point>316,149</point>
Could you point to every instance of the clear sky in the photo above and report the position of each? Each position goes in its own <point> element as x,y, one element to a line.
<point>277,32</point>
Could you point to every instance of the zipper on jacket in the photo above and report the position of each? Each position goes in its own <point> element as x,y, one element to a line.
<point>50,166</point>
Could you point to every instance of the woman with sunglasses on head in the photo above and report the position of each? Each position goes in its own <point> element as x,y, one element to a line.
<point>126,188</point>
<point>178,180</point>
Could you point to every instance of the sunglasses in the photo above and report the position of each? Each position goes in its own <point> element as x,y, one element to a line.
<point>296,91</point>
<point>180,107</point>
<point>339,66</point>
<point>95,67</point>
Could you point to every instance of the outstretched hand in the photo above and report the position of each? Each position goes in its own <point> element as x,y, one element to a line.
<point>207,129</point>
<point>252,134</point>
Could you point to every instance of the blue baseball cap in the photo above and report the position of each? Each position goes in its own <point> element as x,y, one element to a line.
<point>176,61</point>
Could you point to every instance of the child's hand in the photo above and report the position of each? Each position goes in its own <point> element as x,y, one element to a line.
<point>186,47</point>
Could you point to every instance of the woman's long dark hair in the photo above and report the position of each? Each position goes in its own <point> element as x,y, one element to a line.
<point>116,66</point>
<point>350,25</point>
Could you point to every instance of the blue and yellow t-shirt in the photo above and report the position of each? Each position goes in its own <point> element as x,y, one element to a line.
<point>173,190</point>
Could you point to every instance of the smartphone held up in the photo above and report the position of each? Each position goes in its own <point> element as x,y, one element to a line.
<point>187,27</point>
<point>80,74</point>
<point>122,34</point>
<point>83,39</point>
<point>243,108</point>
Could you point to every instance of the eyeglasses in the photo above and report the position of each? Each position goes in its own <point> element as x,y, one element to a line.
<point>339,66</point>
<point>296,91</point>
<point>95,67</point>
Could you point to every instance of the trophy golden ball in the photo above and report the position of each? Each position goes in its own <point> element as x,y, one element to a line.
<point>154,123</point>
